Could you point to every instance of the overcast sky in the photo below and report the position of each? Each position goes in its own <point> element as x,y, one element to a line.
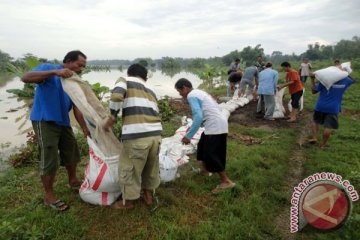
<point>117,29</point>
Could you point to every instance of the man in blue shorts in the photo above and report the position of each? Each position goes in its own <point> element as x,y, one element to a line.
<point>51,123</point>
<point>327,107</point>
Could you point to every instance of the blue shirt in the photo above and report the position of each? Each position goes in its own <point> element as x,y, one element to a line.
<point>268,80</point>
<point>329,101</point>
<point>51,103</point>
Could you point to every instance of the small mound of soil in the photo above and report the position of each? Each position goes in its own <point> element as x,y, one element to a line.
<point>180,107</point>
<point>247,140</point>
<point>247,116</point>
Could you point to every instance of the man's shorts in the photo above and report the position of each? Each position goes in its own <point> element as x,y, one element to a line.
<point>295,99</point>
<point>303,79</point>
<point>326,119</point>
<point>245,82</point>
<point>56,144</point>
<point>139,166</point>
<point>212,151</point>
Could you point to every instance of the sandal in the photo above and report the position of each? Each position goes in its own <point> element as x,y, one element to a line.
<point>219,188</point>
<point>58,205</point>
<point>75,187</point>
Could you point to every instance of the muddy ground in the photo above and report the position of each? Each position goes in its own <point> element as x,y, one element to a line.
<point>245,116</point>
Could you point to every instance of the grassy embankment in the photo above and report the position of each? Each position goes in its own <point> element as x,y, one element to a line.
<point>187,209</point>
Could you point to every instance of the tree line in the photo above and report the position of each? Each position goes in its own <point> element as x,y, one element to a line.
<point>343,50</point>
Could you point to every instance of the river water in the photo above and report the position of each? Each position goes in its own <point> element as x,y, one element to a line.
<point>14,111</point>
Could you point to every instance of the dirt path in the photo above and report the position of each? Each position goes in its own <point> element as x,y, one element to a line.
<point>293,176</point>
<point>246,116</point>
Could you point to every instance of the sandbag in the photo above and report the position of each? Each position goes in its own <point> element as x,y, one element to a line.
<point>176,151</point>
<point>102,171</point>
<point>347,67</point>
<point>301,103</point>
<point>279,108</point>
<point>94,114</point>
<point>329,76</point>
<point>180,134</point>
<point>228,106</point>
<point>101,182</point>
<point>95,197</point>
<point>168,168</point>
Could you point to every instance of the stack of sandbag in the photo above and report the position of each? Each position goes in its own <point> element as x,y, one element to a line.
<point>230,106</point>
<point>330,75</point>
<point>173,153</point>
<point>101,185</point>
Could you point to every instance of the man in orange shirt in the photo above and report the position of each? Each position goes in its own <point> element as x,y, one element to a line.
<point>295,89</point>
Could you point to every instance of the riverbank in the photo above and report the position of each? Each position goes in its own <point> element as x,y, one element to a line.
<point>259,160</point>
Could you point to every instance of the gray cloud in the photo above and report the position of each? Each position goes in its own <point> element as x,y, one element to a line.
<point>122,29</point>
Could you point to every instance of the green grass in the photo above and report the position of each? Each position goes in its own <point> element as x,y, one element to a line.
<point>342,157</point>
<point>187,209</point>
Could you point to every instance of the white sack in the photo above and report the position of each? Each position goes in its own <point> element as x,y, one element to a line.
<point>347,67</point>
<point>301,103</point>
<point>102,171</point>
<point>97,198</point>
<point>279,108</point>
<point>329,76</point>
<point>168,168</point>
<point>94,114</point>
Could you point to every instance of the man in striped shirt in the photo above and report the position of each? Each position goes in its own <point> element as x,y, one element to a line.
<point>141,137</point>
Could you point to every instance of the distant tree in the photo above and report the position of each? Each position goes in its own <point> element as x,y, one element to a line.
<point>249,54</point>
<point>327,52</point>
<point>230,57</point>
<point>169,62</point>
<point>313,52</point>
<point>197,63</point>
<point>143,62</point>
<point>276,57</point>
<point>348,49</point>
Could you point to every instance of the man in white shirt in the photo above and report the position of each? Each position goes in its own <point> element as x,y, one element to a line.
<point>212,145</point>
<point>305,69</point>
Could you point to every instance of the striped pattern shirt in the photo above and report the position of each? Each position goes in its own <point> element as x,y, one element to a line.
<point>140,112</point>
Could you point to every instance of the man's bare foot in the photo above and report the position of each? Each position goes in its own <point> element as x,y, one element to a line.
<point>324,145</point>
<point>148,198</point>
<point>119,205</point>
<point>291,120</point>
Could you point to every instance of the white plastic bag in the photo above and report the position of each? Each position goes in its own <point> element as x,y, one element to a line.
<point>101,183</point>
<point>168,168</point>
<point>329,76</point>
<point>279,108</point>
<point>102,171</point>
<point>301,103</point>
<point>347,67</point>
<point>95,197</point>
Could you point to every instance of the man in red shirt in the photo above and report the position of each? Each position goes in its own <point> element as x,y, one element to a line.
<point>295,89</point>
